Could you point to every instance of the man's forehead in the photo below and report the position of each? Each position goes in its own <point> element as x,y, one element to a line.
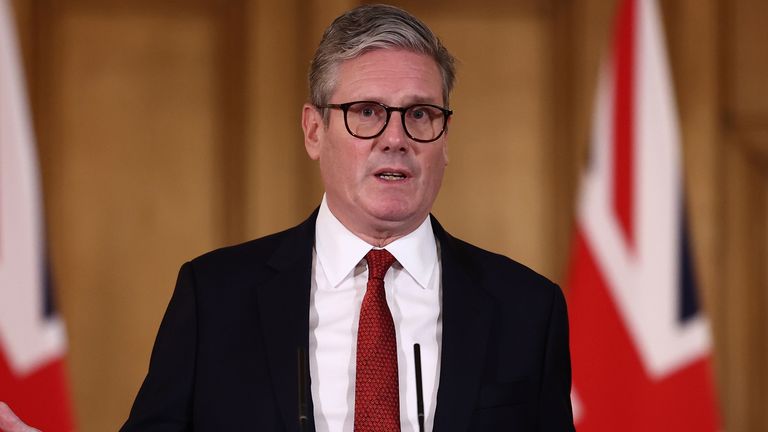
<point>390,73</point>
<point>391,56</point>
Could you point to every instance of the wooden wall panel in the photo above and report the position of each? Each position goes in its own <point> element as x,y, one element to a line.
<point>747,62</point>
<point>282,183</point>
<point>744,299</point>
<point>744,285</point>
<point>130,145</point>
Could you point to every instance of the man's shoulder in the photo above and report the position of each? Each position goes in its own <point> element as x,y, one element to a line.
<point>503,278</point>
<point>482,263</point>
<point>488,262</point>
<point>272,249</point>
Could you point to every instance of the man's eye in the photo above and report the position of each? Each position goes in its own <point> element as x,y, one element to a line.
<point>365,110</point>
<point>419,113</point>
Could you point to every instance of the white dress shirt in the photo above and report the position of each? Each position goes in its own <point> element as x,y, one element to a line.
<point>339,278</point>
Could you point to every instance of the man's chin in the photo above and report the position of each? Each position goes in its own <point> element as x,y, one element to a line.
<point>397,218</point>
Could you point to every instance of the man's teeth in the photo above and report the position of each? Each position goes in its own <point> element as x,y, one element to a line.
<point>391,176</point>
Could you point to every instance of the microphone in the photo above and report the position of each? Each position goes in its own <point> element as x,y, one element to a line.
<point>303,408</point>
<point>419,389</point>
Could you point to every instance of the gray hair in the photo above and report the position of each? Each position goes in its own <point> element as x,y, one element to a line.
<point>367,28</point>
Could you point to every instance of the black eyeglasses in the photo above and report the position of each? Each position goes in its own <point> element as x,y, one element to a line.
<point>367,119</point>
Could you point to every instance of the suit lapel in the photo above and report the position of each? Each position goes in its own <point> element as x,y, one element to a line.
<point>466,311</point>
<point>284,312</point>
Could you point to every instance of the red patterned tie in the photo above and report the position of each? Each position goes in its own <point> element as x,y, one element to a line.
<point>377,397</point>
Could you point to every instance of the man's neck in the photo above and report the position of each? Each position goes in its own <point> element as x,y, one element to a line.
<point>377,233</point>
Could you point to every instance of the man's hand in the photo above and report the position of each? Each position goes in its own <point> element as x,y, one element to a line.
<point>10,423</point>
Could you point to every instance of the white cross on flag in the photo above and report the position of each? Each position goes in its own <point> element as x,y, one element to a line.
<point>640,342</point>
<point>32,340</point>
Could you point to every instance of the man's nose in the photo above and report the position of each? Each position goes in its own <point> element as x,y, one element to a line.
<point>394,136</point>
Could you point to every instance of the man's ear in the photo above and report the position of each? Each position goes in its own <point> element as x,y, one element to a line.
<point>314,128</point>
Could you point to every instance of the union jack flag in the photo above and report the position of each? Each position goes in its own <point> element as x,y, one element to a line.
<point>641,344</point>
<point>32,339</point>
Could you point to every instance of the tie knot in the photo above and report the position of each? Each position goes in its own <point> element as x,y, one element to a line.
<point>379,261</point>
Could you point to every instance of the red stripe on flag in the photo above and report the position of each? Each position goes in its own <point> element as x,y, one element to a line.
<point>40,398</point>
<point>623,118</point>
<point>616,393</point>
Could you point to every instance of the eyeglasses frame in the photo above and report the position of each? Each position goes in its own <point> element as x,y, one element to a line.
<point>344,107</point>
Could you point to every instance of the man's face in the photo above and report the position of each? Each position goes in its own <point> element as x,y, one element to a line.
<point>372,205</point>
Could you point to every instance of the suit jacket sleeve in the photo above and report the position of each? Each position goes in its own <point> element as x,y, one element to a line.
<point>555,404</point>
<point>164,402</point>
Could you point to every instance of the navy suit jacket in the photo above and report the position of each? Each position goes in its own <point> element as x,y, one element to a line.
<point>225,357</point>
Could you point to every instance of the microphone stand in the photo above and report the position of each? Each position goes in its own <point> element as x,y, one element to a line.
<point>302,375</point>
<point>419,389</point>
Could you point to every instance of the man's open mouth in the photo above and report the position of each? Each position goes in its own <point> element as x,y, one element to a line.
<point>391,176</point>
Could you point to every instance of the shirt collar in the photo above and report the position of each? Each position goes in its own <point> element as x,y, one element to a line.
<point>339,250</point>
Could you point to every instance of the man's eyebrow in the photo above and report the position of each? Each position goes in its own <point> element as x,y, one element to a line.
<point>415,100</point>
<point>425,100</point>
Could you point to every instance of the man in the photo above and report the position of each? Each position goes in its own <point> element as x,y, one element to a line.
<point>243,320</point>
